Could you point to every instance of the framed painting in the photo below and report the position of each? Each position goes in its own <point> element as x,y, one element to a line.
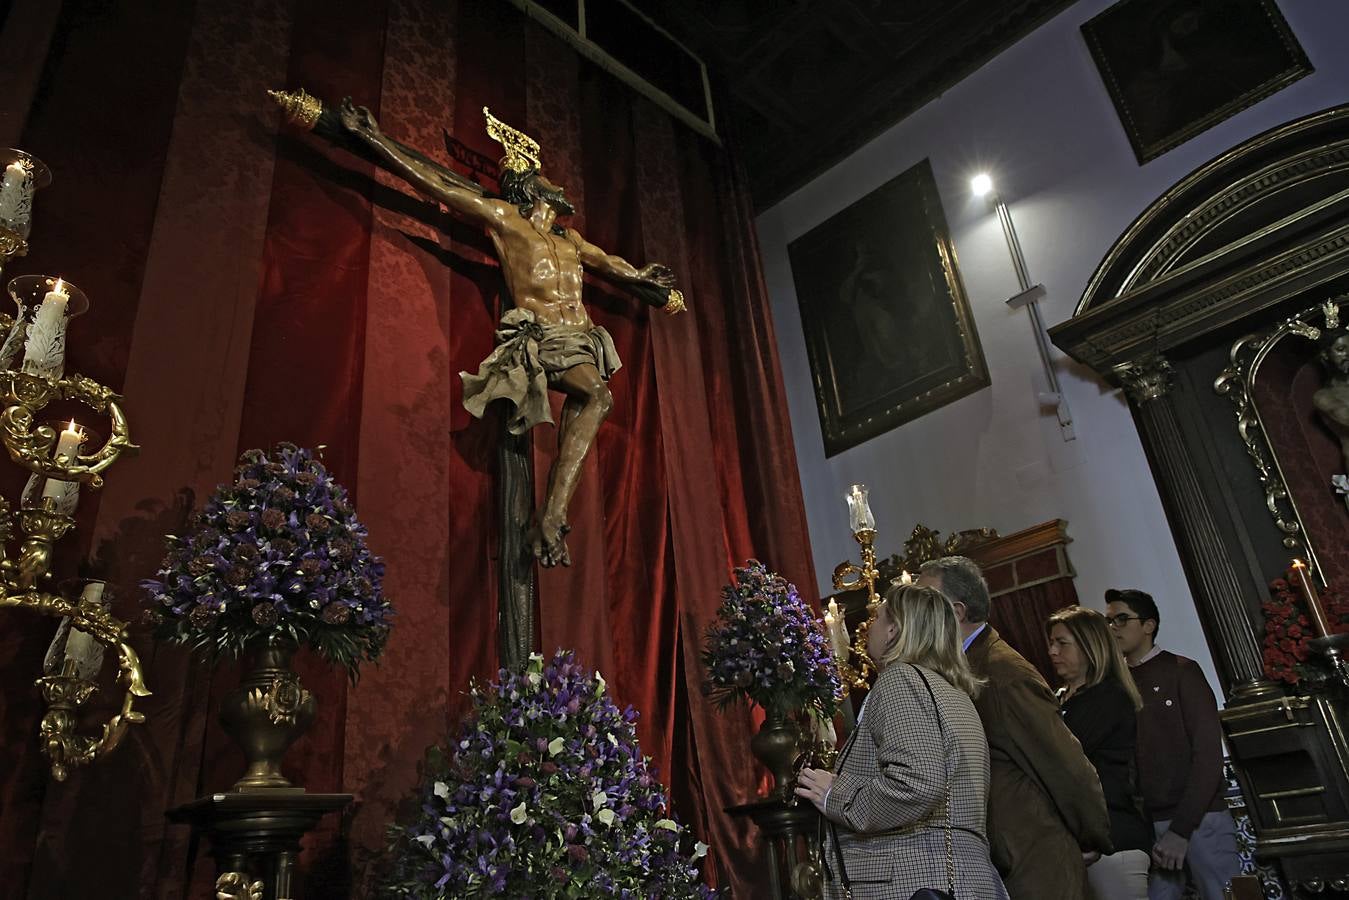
<point>1175,68</point>
<point>887,323</point>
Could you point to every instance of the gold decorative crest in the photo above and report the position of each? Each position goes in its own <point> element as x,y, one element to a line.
<point>522,151</point>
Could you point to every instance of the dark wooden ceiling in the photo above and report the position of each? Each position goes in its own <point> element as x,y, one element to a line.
<point>800,84</point>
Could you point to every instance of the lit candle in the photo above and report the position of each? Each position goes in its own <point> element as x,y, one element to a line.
<point>859,510</point>
<point>838,630</point>
<point>1303,575</point>
<point>66,493</point>
<point>44,353</point>
<point>905,577</point>
<point>16,199</point>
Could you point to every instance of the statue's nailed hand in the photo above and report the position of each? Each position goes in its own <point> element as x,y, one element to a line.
<point>357,119</point>
<point>655,273</point>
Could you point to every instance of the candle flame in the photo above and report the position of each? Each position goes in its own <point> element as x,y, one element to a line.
<point>905,577</point>
<point>1299,564</point>
<point>74,429</point>
<point>60,286</point>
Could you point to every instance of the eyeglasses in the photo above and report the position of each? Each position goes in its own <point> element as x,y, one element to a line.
<point>1121,619</point>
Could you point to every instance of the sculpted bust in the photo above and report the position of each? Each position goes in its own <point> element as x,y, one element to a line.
<point>1332,399</point>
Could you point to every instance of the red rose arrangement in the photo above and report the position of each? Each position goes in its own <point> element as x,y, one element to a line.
<point>1288,627</point>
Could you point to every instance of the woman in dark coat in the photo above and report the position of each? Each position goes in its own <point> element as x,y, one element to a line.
<point>1100,706</point>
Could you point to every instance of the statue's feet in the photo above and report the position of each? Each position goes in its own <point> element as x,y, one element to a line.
<point>548,542</point>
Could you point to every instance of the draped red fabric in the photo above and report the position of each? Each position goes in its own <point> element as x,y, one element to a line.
<point>250,288</point>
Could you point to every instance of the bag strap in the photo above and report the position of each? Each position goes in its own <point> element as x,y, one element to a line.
<point>950,849</point>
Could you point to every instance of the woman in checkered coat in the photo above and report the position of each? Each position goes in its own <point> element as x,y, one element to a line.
<point>887,800</point>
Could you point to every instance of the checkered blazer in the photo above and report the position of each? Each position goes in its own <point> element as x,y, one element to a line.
<point>888,800</point>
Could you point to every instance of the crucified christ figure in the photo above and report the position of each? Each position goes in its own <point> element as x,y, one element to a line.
<point>548,339</point>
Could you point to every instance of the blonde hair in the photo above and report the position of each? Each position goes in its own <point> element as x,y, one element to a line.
<point>928,635</point>
<point>1101,654</point>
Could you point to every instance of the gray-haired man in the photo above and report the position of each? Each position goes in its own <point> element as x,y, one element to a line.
<point>1046,811</point>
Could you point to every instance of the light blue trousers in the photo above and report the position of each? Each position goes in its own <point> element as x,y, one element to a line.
<point>1210,861</point>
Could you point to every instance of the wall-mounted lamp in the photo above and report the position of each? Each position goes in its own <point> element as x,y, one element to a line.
<point>981,185</point>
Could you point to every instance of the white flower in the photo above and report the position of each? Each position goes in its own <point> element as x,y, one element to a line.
<point>555,746</point>
<point>518,814</point>
<point>426,839</point>
<point>314,603</point>
<point>599,798</point>
<point>606,816</point>
<point>699,850</point>
<point>534,679</point>
<point>670,824</point>
<point>441,790</point>
<point>612,740</point>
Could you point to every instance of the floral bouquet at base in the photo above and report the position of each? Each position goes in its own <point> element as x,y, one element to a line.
<point>278,554</point>
<point>1288,628</point>
<point>544,795</point>
<point>766,646</point>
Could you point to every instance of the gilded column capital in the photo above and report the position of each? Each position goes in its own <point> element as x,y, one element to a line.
<point>1146,378</point>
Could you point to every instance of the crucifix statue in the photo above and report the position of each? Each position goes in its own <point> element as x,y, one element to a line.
<point>547,339</point>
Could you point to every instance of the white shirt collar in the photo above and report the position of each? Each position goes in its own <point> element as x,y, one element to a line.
<point>1147,656</point>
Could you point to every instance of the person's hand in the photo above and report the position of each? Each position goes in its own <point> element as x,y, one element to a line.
<point>813,784</point>
<point>1091,856</point>
<point>357,119</point>
<point>655,273</point>
<point>1169,851</point>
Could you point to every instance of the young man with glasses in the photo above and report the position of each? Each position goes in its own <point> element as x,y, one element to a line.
<point>1180,757</point>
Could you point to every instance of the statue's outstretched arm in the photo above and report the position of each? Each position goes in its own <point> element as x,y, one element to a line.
<point>653,284</point>
<point>468,203</point>
<point>618,269</point>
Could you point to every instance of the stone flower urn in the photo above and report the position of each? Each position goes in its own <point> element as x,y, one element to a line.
<point>266,713</point>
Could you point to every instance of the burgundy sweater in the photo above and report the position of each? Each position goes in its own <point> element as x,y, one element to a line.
<point>1180,750</point>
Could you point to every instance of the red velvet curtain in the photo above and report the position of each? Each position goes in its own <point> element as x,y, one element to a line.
<point>249,288</point>
<point>1020,618</point>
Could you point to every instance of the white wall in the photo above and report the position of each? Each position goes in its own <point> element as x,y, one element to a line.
<point>1039,120</point>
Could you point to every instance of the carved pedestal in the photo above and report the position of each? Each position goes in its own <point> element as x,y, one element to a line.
<point>1293,754</point>
<point>258,832</point>
<point>791,835</point>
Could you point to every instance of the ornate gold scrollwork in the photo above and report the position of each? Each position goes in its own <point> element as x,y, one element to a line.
<point>848,577</point>
<point>237,886</point>
<point>65,693</point>
<point>283,698</point>
<point>1237,383</point>
<point>23,395</point>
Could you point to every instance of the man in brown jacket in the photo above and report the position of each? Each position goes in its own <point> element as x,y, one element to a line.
<point>1046,813</point>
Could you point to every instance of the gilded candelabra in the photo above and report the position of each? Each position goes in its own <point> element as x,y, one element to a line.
<point>32,376</point>
<point>847,577</point>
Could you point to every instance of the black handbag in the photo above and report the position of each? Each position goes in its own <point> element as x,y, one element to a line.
<point>921,893</point>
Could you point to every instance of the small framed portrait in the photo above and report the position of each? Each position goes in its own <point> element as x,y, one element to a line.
<point>1175,68</point>
<point>888,327</point>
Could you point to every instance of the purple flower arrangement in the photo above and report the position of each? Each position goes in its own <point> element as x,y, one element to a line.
<point>277,554</point>
<point>545,794</point>
<point>767,646</point>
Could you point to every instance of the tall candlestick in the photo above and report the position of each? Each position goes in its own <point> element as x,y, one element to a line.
<point>44,353</point>
<point>859,509</point>
<point>1318,613</point>
<point>66,493</point>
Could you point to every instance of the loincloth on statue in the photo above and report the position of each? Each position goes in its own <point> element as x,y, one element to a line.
<point>528,357</point>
